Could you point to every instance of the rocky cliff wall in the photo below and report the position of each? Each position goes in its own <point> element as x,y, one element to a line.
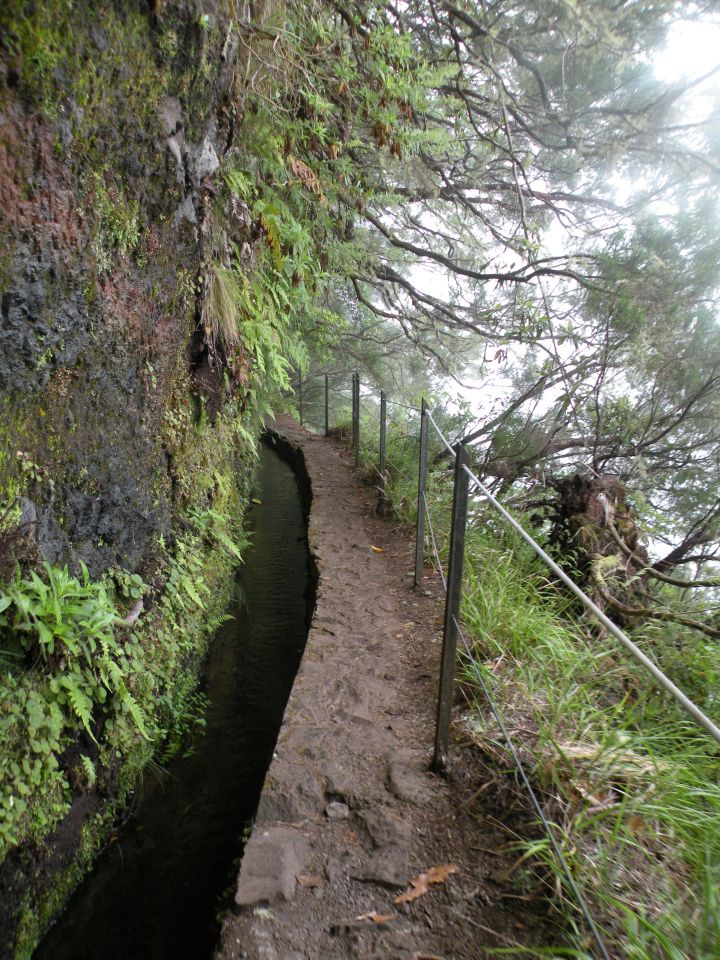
<point>122,443</point>
<point>113,122</point>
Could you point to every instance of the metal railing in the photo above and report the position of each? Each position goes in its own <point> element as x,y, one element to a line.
<point>663,680</point>
<point>464,481</point>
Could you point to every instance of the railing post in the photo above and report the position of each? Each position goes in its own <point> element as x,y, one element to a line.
<point>327,406</point>
<point>421,505</point>
<point>300,396</point>
<point>352,441</point>
<point>382,499</point>
<point>356,418</point>
<point>452,611</point>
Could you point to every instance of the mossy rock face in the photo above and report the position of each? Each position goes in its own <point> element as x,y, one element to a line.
<point>111,124</point>
<point>113,121</point>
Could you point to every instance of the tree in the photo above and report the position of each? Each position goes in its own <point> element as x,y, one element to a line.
<point>459,165</point>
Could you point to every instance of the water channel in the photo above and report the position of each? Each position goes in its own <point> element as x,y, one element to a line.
<point>157,892</point>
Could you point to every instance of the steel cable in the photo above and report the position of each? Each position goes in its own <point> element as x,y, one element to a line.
<point>665,682</point>
<point>434,545</point>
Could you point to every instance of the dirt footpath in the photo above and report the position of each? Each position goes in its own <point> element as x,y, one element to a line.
<point>350,812</point>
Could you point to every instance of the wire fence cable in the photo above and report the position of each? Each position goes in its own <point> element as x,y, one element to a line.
<point>434,546</point>
<point>665,682</point>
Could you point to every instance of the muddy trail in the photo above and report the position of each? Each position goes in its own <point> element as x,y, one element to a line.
<point>350,812</point>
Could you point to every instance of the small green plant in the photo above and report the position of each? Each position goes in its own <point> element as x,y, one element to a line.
<point>186,714</point>
<point>117,218</point>
<point>220,316</point>
<point>67,626</point>
<point>214,524</point>
<point>128,586</point>
<point>89,771</point>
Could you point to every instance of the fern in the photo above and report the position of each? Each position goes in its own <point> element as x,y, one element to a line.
<point>240,184</point>
<point>216,622</point>
<point>79,700</point>
<point>89,771</point>
<point>133,708</point>
<point>224,540</point>
<point>191,590</point>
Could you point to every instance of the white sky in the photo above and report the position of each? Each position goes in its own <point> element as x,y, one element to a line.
<point>692,50</point>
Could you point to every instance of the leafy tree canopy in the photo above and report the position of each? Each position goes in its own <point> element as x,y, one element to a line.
<point>507,186</point>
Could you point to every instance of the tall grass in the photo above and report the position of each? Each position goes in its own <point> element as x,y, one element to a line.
<point>631,785</point>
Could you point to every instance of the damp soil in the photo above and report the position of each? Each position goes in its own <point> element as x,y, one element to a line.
<point>159,888</point>
<point>350,810</point>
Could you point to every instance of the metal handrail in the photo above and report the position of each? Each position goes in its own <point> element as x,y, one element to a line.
<point>464,477</point>
<point>665,682</point>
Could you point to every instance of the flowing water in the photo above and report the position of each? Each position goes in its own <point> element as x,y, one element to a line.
<point>157,891</point>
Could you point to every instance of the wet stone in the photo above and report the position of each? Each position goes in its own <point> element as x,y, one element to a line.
<point>385,829</point>
<point>270,866</point>
<point>337,811</point>
<point>389,866</point>
<point>298,796</point>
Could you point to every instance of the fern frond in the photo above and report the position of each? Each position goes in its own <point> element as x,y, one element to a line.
<point>89,770</point>
<point>133,708</point>
<point>79,701</point>
<point>191,591</point>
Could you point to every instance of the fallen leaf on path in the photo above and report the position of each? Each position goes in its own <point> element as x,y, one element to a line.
<point>377,549</point>
<point>307,880</point>
<point>377,917</point>
<point>258,502</point>
<point>421,884</point>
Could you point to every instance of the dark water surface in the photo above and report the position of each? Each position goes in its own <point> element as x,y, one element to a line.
<point>155,893</point>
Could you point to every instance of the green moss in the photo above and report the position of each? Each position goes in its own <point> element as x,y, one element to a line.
<point>17,448</point>
<point>116,219</point>
<point>116,73</point>
<point>6,263</point>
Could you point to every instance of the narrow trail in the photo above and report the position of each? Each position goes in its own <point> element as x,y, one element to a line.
<point>350,812</point>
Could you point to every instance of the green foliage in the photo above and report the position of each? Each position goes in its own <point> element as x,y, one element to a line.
<point>68,625</point>
<point>72,672</point>
<point>187,709</point>
<point>66,629</point>
<point>31,733</point>
<point>89,770</point>
<point>220,308</point>
<point>215,525</point>
<point>128,586</point>
<point>640,786</point>
<point>117,221</point>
